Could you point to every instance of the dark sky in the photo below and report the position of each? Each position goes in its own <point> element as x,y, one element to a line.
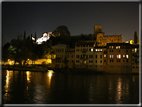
<point>79,17</point>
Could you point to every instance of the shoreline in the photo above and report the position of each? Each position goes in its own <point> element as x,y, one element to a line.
<point>64,70</point>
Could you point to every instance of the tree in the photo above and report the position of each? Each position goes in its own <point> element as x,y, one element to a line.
<point>62,35</point>
<point>24,35</point>
<point>61,30</point>
<point>135,38</point>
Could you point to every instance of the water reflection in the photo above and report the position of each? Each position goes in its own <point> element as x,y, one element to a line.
<point>8,77</point>
<point>9,74</point>
<point>49,74</point>
<point>119,91</point>
<point>28,75</point>
<point>63,88</point>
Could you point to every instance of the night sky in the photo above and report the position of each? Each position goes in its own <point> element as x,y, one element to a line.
<point>79,17</point>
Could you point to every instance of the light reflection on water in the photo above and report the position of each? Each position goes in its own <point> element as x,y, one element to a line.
<point>49,87</point>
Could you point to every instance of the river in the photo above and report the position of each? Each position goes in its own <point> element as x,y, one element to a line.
<point>25,87</point>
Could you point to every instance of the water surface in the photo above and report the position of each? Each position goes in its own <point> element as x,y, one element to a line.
<point>25,87</point>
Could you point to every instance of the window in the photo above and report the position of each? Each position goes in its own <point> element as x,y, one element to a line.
<point>91,49</point>
<point>99,50</point>
<point>136,66</point>
<point>123,51</point>
<point>100,61</point>
<point>117,47</point>
<point>96,61</point>
<point>118,56</point>
<point>96,56</point>
<point>77,61</point>
<point>110,47</point>
<point>111,56</point>
<point>100,56</point>
<point>62,50</point>
<point>72,61</point>
<point>110,51</point>
<point>127,56</point>
<point>90,61</point>
<point>90,56</point>
<point>118,60</point>
<point>127,60</point>
<point>77,56</point>
<point>104,55</point>
<point>123,56</point>
<point>110,61</point>
<point>126,50</point>
<point>135,49</point>
<point>123,60</point>
<point>104,60</point>
<point>96,50</point>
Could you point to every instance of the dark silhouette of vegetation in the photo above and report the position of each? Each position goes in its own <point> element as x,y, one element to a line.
<point>136,38</point>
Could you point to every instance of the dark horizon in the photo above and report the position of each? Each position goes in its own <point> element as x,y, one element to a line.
<point>79,17</point>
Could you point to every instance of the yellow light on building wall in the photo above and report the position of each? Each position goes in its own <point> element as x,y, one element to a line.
<point>123,56</point>
<point>104,55</point>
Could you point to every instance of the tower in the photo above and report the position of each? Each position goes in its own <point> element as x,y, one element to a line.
<point>97,29</point>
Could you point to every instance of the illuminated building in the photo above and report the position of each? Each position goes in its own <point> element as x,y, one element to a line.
<point>119,58</point>
<point>84,54</point>
<point>135,58</point>
<point>102,40</point>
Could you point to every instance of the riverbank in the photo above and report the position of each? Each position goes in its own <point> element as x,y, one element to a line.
<point>59,70</point>
<point>23,68</point>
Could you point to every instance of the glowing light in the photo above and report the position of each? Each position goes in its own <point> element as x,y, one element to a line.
<point>44,38</point>
<point>123,56</point>
<point>127,56</point>
<point>50,72</point>
<point>28,76</point>
<point>104,55</point>
<point>118,56</point>
<point>135,49</point>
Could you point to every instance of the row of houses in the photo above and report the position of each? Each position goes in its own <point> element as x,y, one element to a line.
<point>113,58</point>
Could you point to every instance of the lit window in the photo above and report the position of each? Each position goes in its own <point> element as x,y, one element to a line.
<point>99,49</point>
<point>112,56</point>
<point>127,56</point>
<point>96,49</point>
<point>123,56</point>
<point>135,49</point>
<point>117,47</point>
<point>92,49</point>
<point>112,47</point>
<point>109,56</point>
<point>104,55</point>
<point>118,56</point>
